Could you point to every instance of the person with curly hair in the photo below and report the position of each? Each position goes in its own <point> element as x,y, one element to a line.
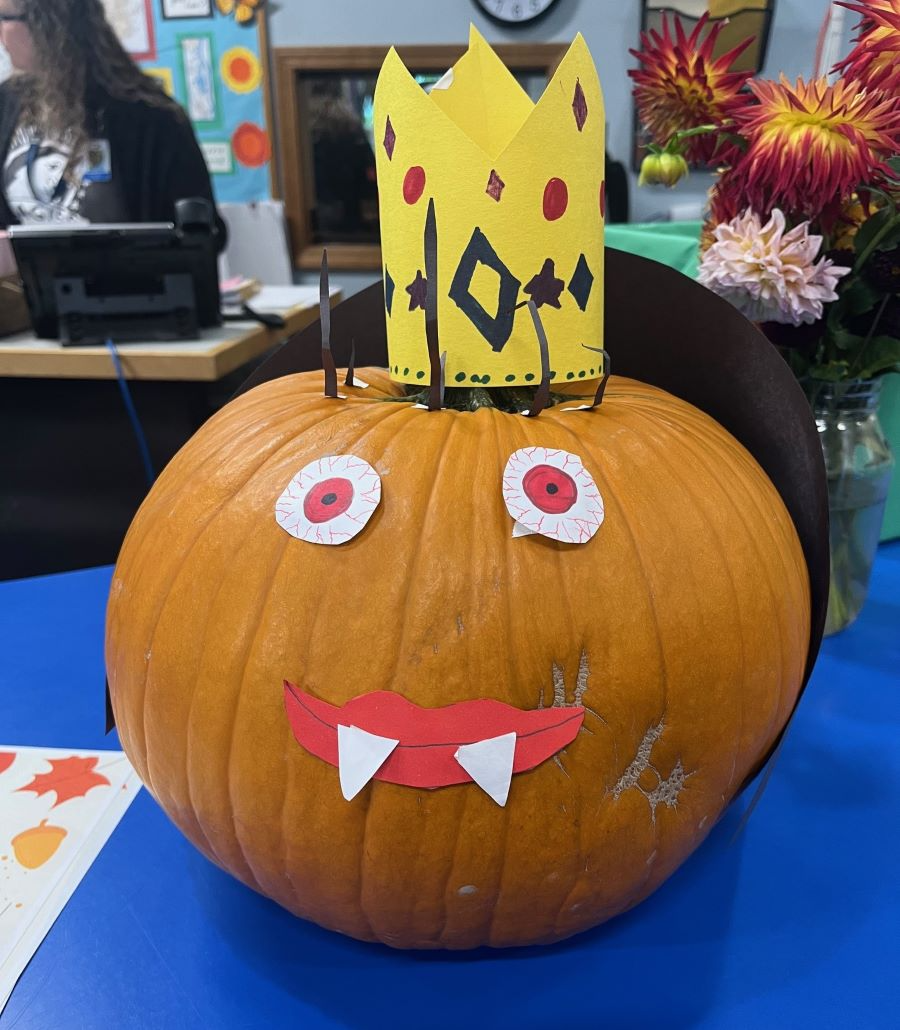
<point>85,135</point>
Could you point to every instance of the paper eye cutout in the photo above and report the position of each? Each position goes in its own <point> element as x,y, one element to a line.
<point>551,492</point>
<point>330,500</point>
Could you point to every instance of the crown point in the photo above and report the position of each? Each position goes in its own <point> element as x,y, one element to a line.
<point>495,185</point>
<point>413,184</point>
<point>390,138</point>
<point>475,37</point>
<point>579,106</point>
<point>556,199</point>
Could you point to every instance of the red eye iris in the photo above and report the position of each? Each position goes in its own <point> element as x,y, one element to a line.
<point>328,499</point>
<point>550,489</point>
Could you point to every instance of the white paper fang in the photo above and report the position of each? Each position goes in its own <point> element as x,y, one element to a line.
<point>490,763</point>
<point>360,755</point>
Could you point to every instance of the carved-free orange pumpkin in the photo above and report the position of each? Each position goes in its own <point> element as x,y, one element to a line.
<point>643,672</point>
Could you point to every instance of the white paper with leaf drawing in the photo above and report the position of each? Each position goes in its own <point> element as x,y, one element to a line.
<point>57,810</point>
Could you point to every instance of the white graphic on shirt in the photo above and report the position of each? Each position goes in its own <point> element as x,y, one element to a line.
<point>36,187</point>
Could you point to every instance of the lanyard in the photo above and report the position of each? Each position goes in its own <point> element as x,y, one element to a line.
<point>60,188</point>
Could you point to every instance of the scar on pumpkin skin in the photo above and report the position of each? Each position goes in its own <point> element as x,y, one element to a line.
<point>581,682</point>
<point>666,790</point>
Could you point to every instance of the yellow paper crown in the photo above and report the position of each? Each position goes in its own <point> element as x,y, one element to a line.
<point>518,190</point>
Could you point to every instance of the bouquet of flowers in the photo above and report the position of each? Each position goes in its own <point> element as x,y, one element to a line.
<point>803,232</point>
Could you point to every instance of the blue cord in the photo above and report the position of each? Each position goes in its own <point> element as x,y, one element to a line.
<point>132,414</point>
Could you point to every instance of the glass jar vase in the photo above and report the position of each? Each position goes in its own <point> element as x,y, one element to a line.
<point>858,464</point>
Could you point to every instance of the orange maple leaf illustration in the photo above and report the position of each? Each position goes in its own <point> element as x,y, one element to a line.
<point>70,778</point>
<point>6,760</point>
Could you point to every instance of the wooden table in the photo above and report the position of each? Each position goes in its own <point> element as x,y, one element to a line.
<point>218,351</point>
<point>71,471</point>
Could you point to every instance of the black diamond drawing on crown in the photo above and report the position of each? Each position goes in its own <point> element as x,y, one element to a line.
<point>496,328</point>
<point>581,282</point>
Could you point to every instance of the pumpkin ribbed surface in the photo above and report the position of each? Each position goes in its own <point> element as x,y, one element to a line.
<point>688,613</point>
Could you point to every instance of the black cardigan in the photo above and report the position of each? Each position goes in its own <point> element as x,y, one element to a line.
<point>155,156</point>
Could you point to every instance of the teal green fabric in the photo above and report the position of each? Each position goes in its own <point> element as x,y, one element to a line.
<point>670,243</point>
<point>890,420</point>
<point>676,244</point>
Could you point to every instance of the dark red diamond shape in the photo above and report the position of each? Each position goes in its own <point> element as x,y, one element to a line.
<point>579,106</point>
<point>495,185</point>
<point>390,138</point>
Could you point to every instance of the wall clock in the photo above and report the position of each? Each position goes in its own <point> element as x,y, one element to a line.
<point>515,12</point>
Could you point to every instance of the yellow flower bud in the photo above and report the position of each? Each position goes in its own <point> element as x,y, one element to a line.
<point>662,169</point>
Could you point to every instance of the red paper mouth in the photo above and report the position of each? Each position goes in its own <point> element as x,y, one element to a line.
<point>429,737</point>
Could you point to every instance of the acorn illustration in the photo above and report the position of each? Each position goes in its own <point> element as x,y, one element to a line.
<point>37,845</point>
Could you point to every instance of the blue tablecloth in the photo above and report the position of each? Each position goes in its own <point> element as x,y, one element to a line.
<point>794,925</point>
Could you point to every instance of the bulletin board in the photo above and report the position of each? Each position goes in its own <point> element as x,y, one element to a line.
<point>210,56</point>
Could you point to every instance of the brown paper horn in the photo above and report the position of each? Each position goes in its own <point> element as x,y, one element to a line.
<point>669,331</point>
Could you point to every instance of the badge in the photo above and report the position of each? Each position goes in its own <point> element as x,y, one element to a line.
<point>98,162</point>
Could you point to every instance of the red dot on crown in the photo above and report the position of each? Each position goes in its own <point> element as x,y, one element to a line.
<point>556,199</point>
<point>413,184</point>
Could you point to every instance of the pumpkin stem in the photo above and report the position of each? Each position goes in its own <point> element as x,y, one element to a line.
<point>511,399</point>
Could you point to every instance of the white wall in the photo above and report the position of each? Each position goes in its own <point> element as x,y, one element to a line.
<point>610,27</point>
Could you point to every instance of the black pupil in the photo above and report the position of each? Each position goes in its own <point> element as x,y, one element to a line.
<point>552,488</point>
<point>329,498</point>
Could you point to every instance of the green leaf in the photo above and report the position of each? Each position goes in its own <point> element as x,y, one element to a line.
<point>860,297</point>
<point>836,312</point>
<point>843,339</point>
<point>872,228</point>
<point>882,354</point>
<point>831,372</point>
<point>894,165</point>
<point>869,229</point>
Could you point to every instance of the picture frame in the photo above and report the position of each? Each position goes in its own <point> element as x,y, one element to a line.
<point>179,10</point>
<point>133,24</point>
